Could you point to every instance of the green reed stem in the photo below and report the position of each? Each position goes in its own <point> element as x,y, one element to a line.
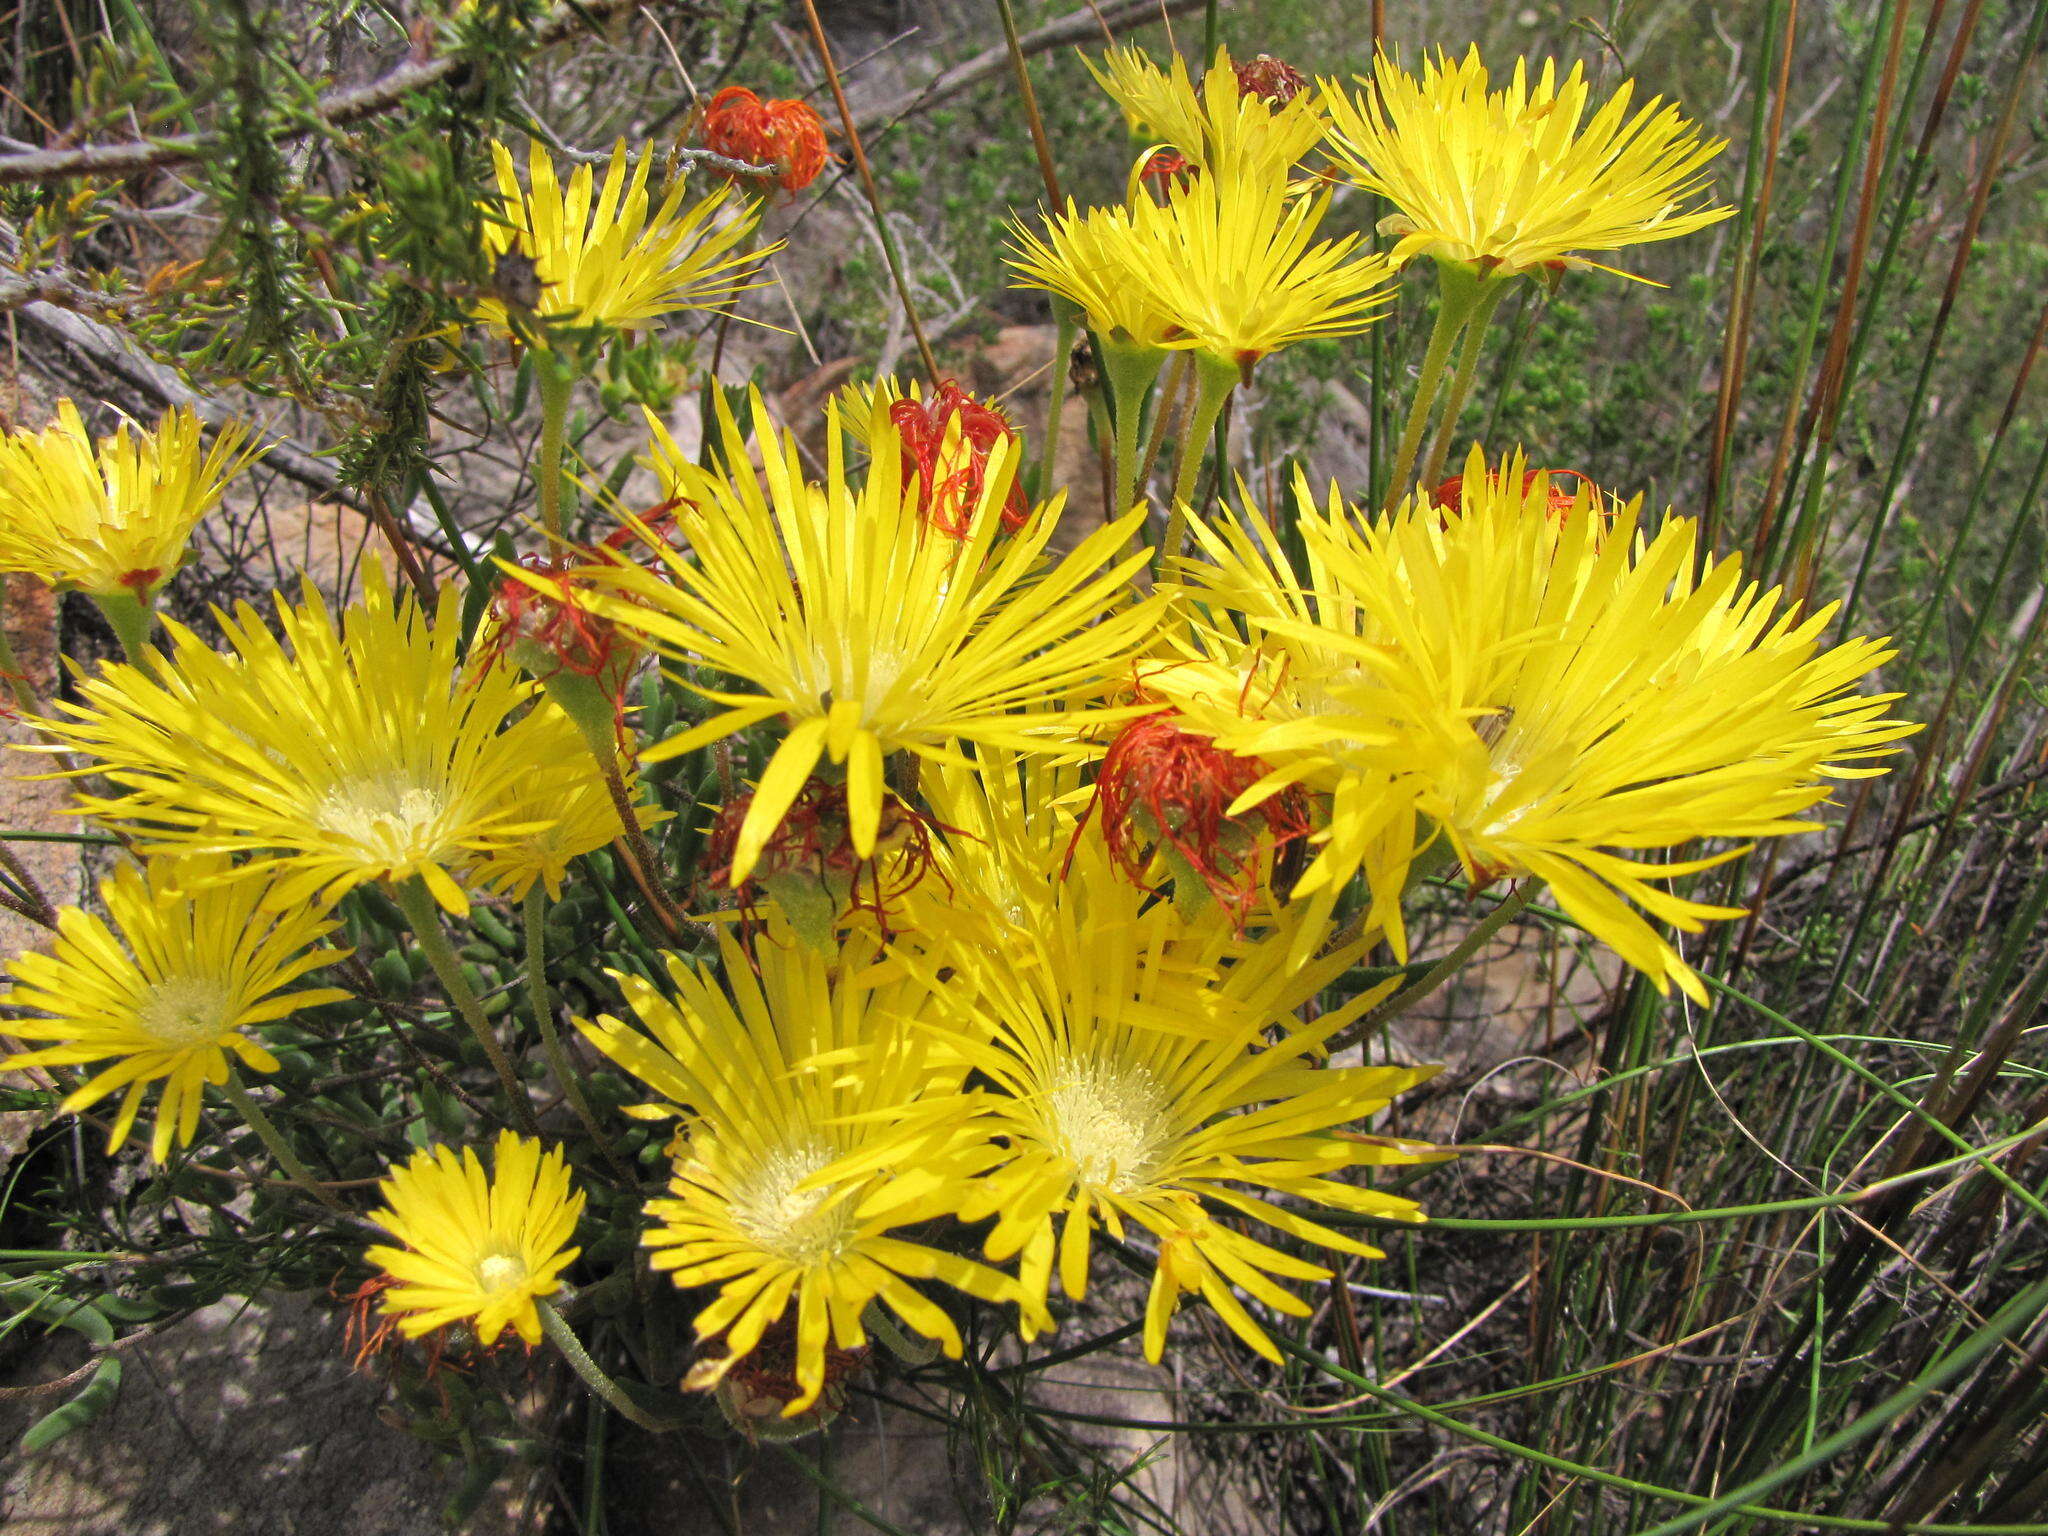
<point>1064,334</point>
<point>607,1391</point>
<point>555,383</point>
<point>1490,295</point>
<point>535,913</point>
<point>417,904</point>
<point>273,1140</point>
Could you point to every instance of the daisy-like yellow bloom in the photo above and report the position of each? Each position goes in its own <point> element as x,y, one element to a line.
<point>1150,1072</point>
<point>1556,692</point>
<point>357,749</point>
<point>1087,259</point>
<point>1234,263</point>
<point>864,629</point>
<point>110,517</point>
<point>570,813</point>
<point>1521,177</point>
<point>1218,126</point>
<point>817,1120</point>
<point>608,260</point>
<point>164,989</point>
<point>477,1248</point>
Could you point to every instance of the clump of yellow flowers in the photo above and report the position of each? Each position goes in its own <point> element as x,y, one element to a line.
<point>1027,881</point>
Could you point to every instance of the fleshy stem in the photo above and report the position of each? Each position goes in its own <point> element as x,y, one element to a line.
<point>1130,370</point>
<point>1457,290</point>
<point>607,1391</point>
<point>1064,332</point>
<point>555,382</point>
<point>1215,378</point>
<point>273,1140</point>
<point>133,621</point>
<point>1509,909</point>
<point>550,1038</point>
<point>1490,295</point>
<point>418,906</point>
<point>10,669</point>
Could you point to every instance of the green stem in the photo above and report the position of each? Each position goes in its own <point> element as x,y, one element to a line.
<point>1215,379</point>
<point>1457,290</point>
<point>555,383</point>
<point>418,906</point>
<point>1490,295</point>
<point>1482,931</point>
<point>273,1140</point>
<point>134,620</point>
<point>10,667</point>
<point>607,1391</point>
<point>1130,370</point>
<point>550,1037</point>
<point>1056,406</point>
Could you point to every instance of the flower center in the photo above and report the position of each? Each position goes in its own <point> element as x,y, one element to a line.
<point>392,817</point>
<point>185,1011</point>
<point>500,1272</point>
<point>1109,1121</point>
<point>789,1222</point>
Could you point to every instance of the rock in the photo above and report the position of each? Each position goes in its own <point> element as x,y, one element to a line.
<point>199,1442</point>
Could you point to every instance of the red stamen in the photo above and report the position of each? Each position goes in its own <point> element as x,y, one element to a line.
<point>949,503</point>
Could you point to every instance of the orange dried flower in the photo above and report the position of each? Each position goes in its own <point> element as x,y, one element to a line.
<point>788,135</point>
<point>948,500</point>
<point>1162,784</point>
<point>1273,79</point>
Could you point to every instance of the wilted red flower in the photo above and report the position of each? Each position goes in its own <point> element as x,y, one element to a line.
<point>948,500</point>
<point>1273,79</point>
<point>754,1389</point>
<point>572,638</point>
<point>1450,496</point>
<point>1162,784</point>
<point>369,1332</point>
<point>788,135</point>
<point>1165,165</point>
<point>809,862</point>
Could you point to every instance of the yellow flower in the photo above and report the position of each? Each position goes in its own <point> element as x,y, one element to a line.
<point>817,1121</point>
<point>863,628</point>
<point>112,517</point>
<point>1556,694</point>
<point>1148,1070</point>
<point>1229,266</point>
<point>1233,262</point>
<point>165,987</point>
<point>613,263</point>
<point>355,751</point>
<point>1090,260</point>
<point>569,812</point>
<point>1521,177</point>
<point>1217,127</point>
<point>477,1248</point>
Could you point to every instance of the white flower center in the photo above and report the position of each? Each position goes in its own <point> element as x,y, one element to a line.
<point>185,1010</point>
<point>390,817</point>
<point>789,1222</point>
<point>1109,1121</point>
<point>500,1272</point>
